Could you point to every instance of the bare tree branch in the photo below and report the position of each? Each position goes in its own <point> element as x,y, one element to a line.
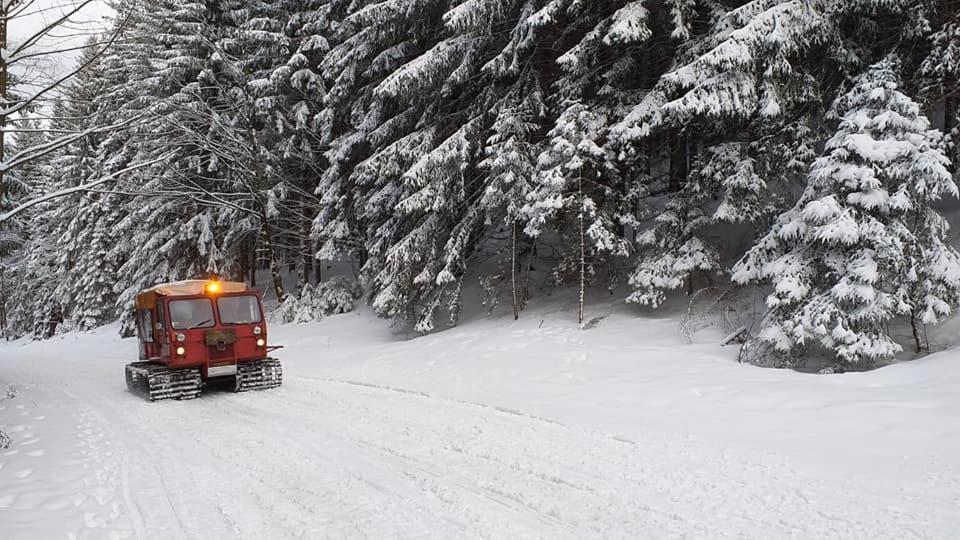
<point>78,189</point>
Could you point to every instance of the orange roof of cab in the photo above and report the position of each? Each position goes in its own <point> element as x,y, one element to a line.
<point>147,299</point>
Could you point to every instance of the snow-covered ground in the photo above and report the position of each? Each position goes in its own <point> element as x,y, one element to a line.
<point>494,429</point>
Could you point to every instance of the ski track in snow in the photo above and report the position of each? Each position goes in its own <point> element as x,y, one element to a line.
<point>322,457</point>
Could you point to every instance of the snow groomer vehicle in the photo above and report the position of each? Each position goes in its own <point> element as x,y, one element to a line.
<point>196,331</point>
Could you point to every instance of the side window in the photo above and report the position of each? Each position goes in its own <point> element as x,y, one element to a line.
<point>147,323</point>
<point>161,320</point>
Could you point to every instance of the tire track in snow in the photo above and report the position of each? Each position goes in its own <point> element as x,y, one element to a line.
<point>505,410</point>
<point>686,479</point>
<point>133,509</point>
<point>320,457</point>
<point>383,460</point>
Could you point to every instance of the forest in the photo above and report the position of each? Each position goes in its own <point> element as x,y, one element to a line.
<point>643,148</point>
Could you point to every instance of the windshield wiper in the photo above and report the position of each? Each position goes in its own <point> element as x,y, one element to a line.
<point>198,325</point>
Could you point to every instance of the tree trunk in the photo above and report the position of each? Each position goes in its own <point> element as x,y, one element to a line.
<point>308,251</point>
<point>679,166</point>
<point>242,271</point>
<point>4,7</point>
<point>253,263</point>
<point>950,113</point>
<point>276,270</point>
<point>513,272</point>
<point>583,252</point>
<point>525,288</point>
<point>3,306</point>
<point>303,260</point>
<point>919,336</point>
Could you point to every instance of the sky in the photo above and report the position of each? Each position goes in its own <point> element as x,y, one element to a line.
<point>90,19</point>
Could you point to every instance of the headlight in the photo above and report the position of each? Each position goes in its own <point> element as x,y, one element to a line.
<point>181,338</point>
<point>181,351</point>
<point>257,330</point>
<point>261,342</point>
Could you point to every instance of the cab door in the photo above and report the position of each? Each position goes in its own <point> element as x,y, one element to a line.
<point>146,332</point>
<point>162,333</point>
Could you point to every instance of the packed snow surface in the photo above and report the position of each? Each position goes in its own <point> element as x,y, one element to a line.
<point>495,429</point>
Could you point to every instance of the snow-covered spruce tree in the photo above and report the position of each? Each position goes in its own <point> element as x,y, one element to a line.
<point>371,126</point>
<point>294,100</point>
<point>862,245</point>
<point>735,111</point>
<point>160,63</point>
<point>249,80</point>
<point>83,234</point>
<point>510,162</point>
<point>219,94</point>
<point>355,121</point>
<point>728,184</point>
<point>407,171</point>
<point>22,237</point>
<point>180,209</point>
<point>575,193</point>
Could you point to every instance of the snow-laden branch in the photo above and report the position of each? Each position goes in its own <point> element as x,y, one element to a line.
<point>36,152</point>
<point>81,188</point>
<point>33,153</point>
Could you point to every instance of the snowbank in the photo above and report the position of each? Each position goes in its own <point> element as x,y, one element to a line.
<point>496,428</point>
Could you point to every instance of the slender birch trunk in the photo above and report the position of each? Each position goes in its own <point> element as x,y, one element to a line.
<point>583,251</point>
<point>513,273</point>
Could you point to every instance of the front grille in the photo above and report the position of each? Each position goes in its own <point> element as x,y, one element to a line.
<point>214,354</point>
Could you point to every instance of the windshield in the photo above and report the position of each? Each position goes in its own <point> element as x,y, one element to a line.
<point>239,309</point>
<point>186,314</point>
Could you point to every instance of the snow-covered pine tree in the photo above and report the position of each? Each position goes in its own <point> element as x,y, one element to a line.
<point>673,250</point>
<point>83,223</point>
<point>22,236</point>
<point>574,193</point>
<point>862,245</point>
<point>735,110</point>
<point>510,162</point>
<point>420,218</point>
<point>358,189</point>
<point>176,219</point>
<point>299,100</point>
<point>728,184</point>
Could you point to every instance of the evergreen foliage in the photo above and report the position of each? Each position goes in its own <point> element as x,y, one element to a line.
<point>862,245</point>
<point>431,143</point>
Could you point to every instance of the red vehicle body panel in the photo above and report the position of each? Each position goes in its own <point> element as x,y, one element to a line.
<point>216,345</point>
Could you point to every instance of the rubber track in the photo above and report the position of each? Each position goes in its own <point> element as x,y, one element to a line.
<point>154,382</point>
<point>259,375</point>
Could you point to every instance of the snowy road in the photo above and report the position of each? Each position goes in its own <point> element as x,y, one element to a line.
<point>332,458</point>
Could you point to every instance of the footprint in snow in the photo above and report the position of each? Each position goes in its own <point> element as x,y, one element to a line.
<point>6,501</point>
<point>36,453</point>
<point>23,473</point>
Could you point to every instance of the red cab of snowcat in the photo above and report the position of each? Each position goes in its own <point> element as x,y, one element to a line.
<point>205,324</point>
